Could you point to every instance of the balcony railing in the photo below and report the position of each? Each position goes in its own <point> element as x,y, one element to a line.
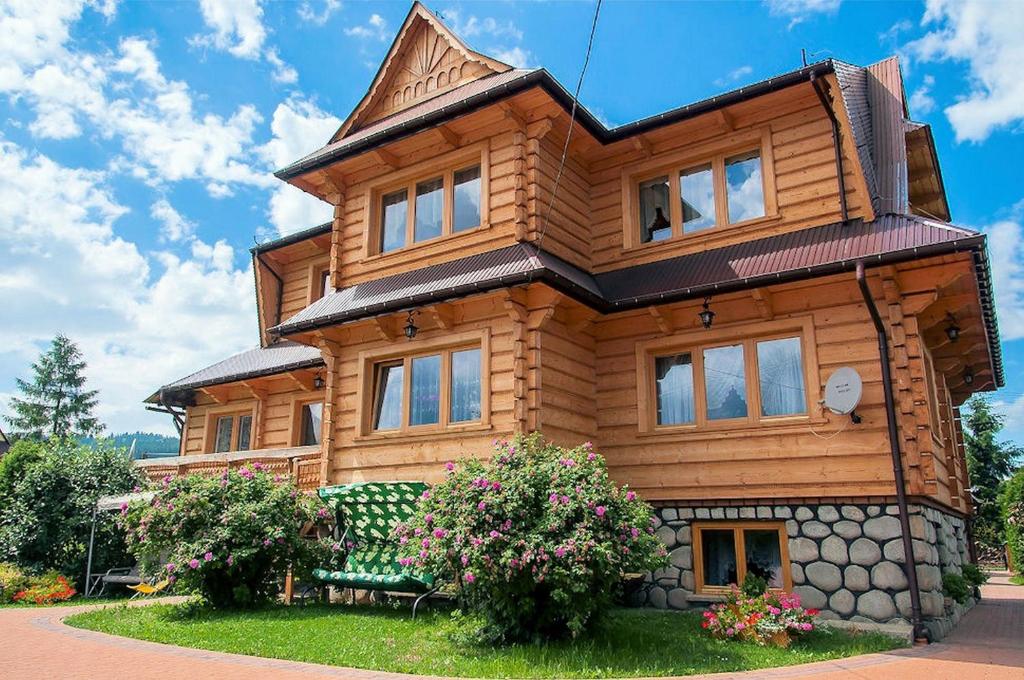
<point>301,463</point>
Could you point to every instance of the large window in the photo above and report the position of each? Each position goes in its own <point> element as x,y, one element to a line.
<point>751,380</point>
<point>231,432</point>
<point>442,204</point>
<point>725,553</point>
<point>311,415</point>
<point>431,390</point>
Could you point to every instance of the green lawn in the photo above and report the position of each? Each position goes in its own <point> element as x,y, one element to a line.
<point>631,643</point>
<point>74,601</point>
<point>1017,580</point>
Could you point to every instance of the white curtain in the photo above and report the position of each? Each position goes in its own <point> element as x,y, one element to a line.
<point>424,408</point>
<point>675,389</point>
<point>780,373</point>
<point>465,403</point>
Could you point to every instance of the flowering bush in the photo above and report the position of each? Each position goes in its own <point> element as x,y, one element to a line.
<point>226,537</point>
<point>767,619</point>
<point>46,589</point>
<point>538,538</point>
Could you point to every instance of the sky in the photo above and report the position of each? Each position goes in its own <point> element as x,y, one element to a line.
<point>138,141</point>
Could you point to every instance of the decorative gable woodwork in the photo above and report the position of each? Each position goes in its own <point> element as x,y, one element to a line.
<point>425,60</point>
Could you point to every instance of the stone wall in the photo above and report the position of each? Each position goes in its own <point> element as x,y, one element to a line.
<point>846,560</point>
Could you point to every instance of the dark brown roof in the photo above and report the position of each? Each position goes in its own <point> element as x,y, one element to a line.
<point>279,357</point>
<point>489,89</point>
<point>292,238</point>
<point>510,266</point>
<point>817,251</point>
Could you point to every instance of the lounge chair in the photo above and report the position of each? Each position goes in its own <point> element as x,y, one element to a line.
<point>120,576</point>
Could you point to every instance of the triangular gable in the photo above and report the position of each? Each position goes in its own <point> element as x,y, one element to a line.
<point>425,60</point>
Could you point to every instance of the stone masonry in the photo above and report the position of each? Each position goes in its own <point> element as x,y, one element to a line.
<point>846,560</point>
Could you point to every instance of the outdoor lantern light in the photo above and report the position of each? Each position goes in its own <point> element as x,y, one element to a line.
<point>318,382</point>
<point>707,317</point>
<point>968,377</point>
<point>410,327</point>
<point>952,330</point>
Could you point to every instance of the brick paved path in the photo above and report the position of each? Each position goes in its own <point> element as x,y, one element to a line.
<point>34,644</point>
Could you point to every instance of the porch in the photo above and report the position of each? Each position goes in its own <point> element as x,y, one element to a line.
<point>301,463</point>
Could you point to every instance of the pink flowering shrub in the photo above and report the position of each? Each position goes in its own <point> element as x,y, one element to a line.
<point>771,618</point>
<point>230,537</point>
<point>538,538</point>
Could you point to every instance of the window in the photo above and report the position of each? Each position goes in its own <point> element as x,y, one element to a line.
<point>325,282</point>
<point>312,417</point>
<point>231,432</point>
<point>725,553</point>
<point>722,182</point>
<point>726,381</point>
<point>442,204</point>
<point>444,384</point>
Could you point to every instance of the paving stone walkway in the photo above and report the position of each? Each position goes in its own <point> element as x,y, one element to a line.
<point>987,645</point>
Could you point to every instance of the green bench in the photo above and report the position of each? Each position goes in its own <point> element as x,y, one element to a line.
<point>367,514</point>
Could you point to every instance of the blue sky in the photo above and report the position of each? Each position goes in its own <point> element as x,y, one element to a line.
<point>137,141</point>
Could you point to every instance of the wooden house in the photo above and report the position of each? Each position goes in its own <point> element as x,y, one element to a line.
<point>677,290</point>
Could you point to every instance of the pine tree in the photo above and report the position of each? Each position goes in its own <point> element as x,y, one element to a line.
<point>55,402</point>
<point>989,463</point>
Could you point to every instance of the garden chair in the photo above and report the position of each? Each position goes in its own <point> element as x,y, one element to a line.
<point>149,589</point>
<point>119,576</point>
<point>367,514</point>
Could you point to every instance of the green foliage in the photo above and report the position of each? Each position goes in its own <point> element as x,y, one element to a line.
<point>538,537</point>
<point>973,575</point>
<point>55,403</point>
<point>228,537</point>
<point>145,442</point>
<point>754,585</point>
<point>630,643</point>
<point>1011,504</point>
<point>955,586</point>
<point>13,465</point>
<point>989,462</point>
<point>47,588</point>
<point>46,517</point>
<point>13,580</point>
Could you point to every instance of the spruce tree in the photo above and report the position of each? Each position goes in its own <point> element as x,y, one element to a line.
<point>55,403</point>
<point>989,463</point>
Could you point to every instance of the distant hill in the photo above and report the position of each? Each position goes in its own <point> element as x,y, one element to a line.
<point>145,442</point>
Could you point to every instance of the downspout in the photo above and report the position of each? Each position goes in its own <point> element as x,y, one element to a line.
<point>910,566</point>
<point>843,210</point>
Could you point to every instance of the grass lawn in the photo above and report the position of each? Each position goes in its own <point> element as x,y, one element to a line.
<point>631,643</point>
<point>1017,579</point>
<point>74,601</point>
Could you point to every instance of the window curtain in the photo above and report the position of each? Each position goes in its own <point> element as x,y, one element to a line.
<point>426,390</point>
<point>675,389</point>
<point>764,558</point>
<point>465,403</point>
<point>654,210</point>
<point>725,382</point>
<point>780,373</point>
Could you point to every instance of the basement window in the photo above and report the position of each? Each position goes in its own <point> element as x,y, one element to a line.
<point>725,553</point>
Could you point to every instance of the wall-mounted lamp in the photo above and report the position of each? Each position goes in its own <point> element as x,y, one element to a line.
<point>410,327</point>
<point>952,330</point>
<point>318,382</point>
<point>707,317</point>
<point>968,377</point>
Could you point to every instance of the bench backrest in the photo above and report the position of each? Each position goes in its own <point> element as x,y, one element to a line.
<point>371,510</point>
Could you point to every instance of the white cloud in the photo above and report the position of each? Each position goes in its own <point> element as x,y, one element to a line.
<point>173,226</point>
<point>283,73</point>
<point>734,75</point>
<point>307,13</point>
<point>514,56</point>
<point>474,26</point>
<point>237,25</point>
<point>375,27</point>
<point>921,101</point>
<point>987,36</point>
<point>298,128</point>
<point>1006,253</point>
<point>801,10</point>
<point>131,314</point>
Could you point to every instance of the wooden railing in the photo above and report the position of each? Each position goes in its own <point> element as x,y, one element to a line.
<point>301,463</point>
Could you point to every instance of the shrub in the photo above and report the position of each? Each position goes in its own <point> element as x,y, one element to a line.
<point>538,538</point>
<point>955,586</point>
<point>973,575</point>
<point>49,588</point>
<point>12,580</point>
<point>225,537</point>
<point>46,516</point>
<point>1011,503</point>
<point>768,619</point>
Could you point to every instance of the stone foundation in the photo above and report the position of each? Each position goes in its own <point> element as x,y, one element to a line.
<point>846,560</point>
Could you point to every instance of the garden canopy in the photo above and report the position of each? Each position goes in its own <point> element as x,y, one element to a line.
<point>106,504</point>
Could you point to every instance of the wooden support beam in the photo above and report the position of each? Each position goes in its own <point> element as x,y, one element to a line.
<point>442,315</point>
<point>259,393</point>
<point>543,302</point>
<point>580,318</point>
<point>641,144</point>
<point>513,114</point>
<point>302,380</point>
<point>725,120</point>
<point>539,129</point>
<point>387,158</point>
<point>448,136</point>
<point>218,393</point>
<point>514,301</point>
<point>663,317</point>
<point>385,327</point>
<point>763,302</point>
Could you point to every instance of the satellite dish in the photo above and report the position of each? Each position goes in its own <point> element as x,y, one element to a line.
<point>843,391</point>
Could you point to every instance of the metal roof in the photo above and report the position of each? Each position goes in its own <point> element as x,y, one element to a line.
<point>279,357</point>
<point>295,237</point>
